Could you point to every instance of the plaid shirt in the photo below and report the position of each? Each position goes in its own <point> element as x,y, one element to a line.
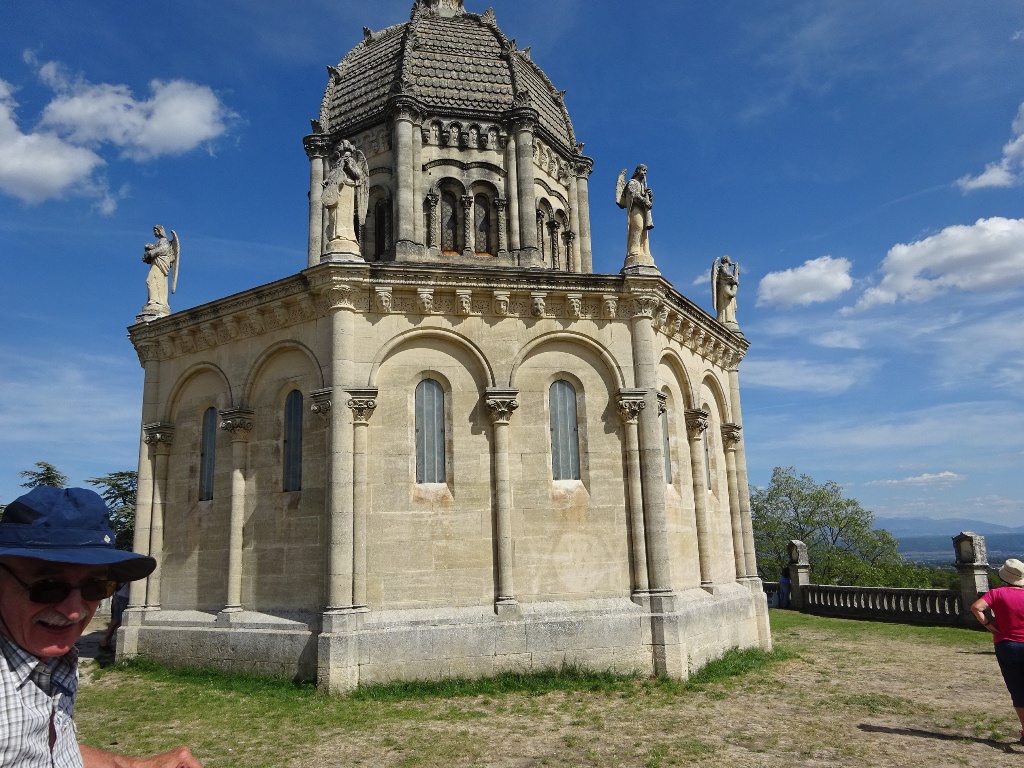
<point>33,694</point>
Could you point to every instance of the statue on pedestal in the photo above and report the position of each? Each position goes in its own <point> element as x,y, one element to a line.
<point>163,257</point>
<point>725,283</point>
<point>638,199</point>
<point>346,199</point>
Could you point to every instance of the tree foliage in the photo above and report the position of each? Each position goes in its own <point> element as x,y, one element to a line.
<point>44,474</point>
<point>843,545</point>
<point>119,491</point>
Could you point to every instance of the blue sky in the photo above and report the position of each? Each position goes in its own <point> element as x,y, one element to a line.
<point>862,161</point>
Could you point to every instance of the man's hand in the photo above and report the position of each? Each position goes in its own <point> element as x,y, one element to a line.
<point>179,757</point>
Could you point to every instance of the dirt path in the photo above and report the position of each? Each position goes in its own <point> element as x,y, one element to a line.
<point>848,700</point>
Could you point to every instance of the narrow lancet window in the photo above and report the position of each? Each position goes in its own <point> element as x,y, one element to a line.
<point>292,446</point>
<point>565,445</point>
<point>207,454</point>
<point>430,458</point>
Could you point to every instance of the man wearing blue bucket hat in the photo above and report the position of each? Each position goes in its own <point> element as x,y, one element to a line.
<point>57,562</point>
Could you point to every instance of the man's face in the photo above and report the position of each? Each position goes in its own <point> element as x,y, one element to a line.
<point>45,630</point>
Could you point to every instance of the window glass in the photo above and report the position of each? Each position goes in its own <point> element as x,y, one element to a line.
<point>207,454</point>
<point>565,451</point>
<point>293,441</point>
<point>430,459</point>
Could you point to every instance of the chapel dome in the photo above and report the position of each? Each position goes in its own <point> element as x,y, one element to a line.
<point>446,61</point>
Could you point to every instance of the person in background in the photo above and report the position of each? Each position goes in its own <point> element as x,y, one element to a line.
<point>1001,612</point>
<point>784,588</point>
<point>117,605</point>
<point>57,562</point>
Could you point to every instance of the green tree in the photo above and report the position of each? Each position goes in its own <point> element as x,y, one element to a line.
<point>843,545</point>
<point>119,491</point>
<point>44,474</point>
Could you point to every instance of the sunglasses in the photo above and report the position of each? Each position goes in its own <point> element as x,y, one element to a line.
<point>51,591</point>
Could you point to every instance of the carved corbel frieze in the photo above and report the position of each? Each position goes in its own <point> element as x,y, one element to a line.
<point>158,434</point>
<point>697,421</point>
<point>629,403</point>
<point>538,304</point>
<point>574,305</point>
<point>463,302</point>
<point>231,325</point>
<point>501,303</point>
<point>167,349</point>
<point>661,318</point>
<point>609,306</point>
<point>382,299</point>
<point>501,403</point>
<point>321,402</point>
<point>425,300</point>
<point>731,435</point>
<point>253,325</point>
<point>363,402</point>
<point>238,422</point>
<point>280,313</point>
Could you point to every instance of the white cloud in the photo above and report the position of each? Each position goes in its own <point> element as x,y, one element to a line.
<point>806,375</point>
<point>815,281</point>
<point>985,256</point>
<point>940,479</point>
<point>39,166</point>
<point>178,117</point>
<point>1007,171</point>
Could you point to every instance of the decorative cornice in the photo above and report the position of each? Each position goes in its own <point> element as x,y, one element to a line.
<point>697,420</point>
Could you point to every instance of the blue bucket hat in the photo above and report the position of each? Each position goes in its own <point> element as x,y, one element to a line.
<point>67,525</point>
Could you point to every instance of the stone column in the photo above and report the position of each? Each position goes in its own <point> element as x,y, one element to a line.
<point>501,204</point>
<point>161,435</point>
<point>433,198</point>
<point>404,182</point>
<point>553,228</point>
<point>741,475</point>
<point>468,230</point>
<point>512,193</point>
<point>698,420</point>
<point>317,148</point>
<point>571,251</point>
<point>238,423</point>
<point>362,403</point>
<point>149,357</point>
<point>652,460</point>
<point>530,255</point>
<point>799,573</point>
<point>631,403</point>
<point>730,439</point>
<point>583,169</point>
<point>500,405</point>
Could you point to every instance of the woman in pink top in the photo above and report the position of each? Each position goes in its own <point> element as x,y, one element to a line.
<point>1001,612</point>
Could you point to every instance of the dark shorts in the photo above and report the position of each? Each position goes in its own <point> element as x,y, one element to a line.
<point>117,606</point>
<point>1010,656</point>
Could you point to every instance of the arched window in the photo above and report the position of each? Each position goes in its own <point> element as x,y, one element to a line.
<point>381,227</point>
<point>430,459</point>
<point>449,223</point>
<point>565,444</point>
<point>292,448</point>
<point>665,447</point>
<point>207,454</point>
<point>482,225</point>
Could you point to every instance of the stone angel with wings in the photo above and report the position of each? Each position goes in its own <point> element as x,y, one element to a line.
<point>725,283</point>
<point>346,198</point>
<point>637,199</point>
<point>163,257</point>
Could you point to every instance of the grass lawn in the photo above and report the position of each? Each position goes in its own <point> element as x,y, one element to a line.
<point>843,692</point>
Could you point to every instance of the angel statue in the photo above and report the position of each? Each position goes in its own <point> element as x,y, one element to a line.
<point>163,257</point>
<point>638,199</point>
<point>725,282</point>
<point>346,198</point>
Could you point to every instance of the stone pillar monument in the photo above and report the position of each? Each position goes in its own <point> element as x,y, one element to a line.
<point>799,573</point>
<point>972,565</point>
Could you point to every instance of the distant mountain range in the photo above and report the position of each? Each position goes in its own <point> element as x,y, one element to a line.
<point>902,527</point>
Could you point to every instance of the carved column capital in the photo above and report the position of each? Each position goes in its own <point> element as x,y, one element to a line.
<point>363,402</point>
<point>238,422</point>
<point>697,420</point>
<point>630,402</point>
<point>501,403</point>
<point>148,352</point>
<point>158,434</point>
<point>731,436</point>
<point>644,305</point>
<point>335,293</point>
<point>501,203</point>
<point>318,145</point>
<point>321,402</point>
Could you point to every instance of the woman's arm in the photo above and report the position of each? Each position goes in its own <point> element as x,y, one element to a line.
<point>982,611</point>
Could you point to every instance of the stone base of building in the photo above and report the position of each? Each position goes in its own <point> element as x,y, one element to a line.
<point>651,634</point>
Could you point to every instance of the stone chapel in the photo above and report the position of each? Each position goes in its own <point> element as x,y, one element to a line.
<point>444,445</point>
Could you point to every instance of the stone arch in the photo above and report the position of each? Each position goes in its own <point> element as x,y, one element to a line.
<point>182,383</point>
<point>271,352</point>
<point>718,394</point>
<point>672,360</point>
<point>485,372</point>
<point>606,356</point>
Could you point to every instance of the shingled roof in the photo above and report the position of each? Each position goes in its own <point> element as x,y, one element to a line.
<point>450,62</point>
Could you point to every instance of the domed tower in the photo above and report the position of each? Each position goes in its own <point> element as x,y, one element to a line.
<point>460,147</point>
